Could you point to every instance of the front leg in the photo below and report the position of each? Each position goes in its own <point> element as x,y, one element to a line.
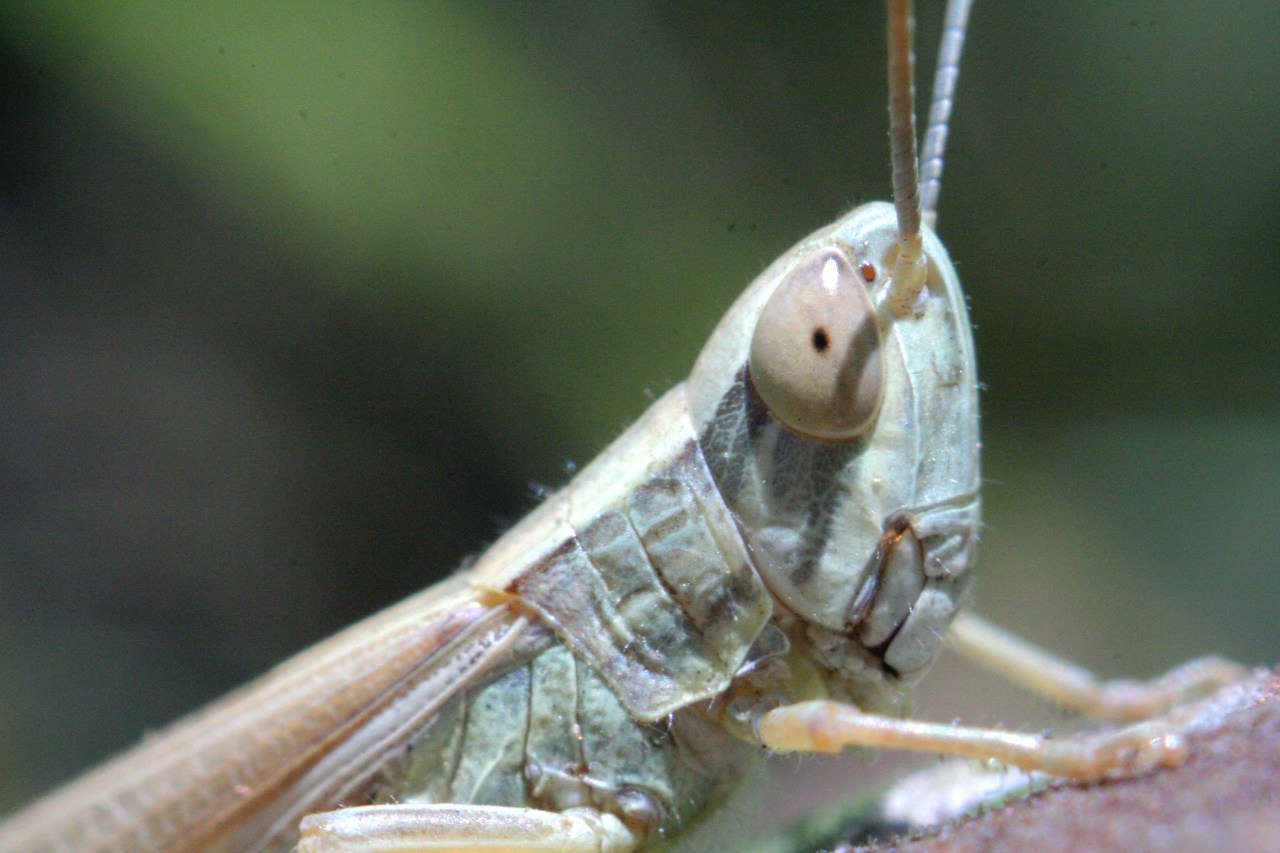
<point>1154,741</point>
<point>405,828</point>
<point>827,726</point>
<point>1077,689</point>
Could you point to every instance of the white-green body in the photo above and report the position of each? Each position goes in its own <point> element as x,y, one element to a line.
<point>615,647</point>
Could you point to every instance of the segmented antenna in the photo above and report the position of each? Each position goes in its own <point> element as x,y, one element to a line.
<point>944,92</point>
<point>907,279</point>
<point>912,199</point>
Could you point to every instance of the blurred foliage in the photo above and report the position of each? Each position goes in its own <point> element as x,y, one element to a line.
<point>302,297</point>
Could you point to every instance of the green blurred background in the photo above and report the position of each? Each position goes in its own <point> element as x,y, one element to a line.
<point>302,302</point>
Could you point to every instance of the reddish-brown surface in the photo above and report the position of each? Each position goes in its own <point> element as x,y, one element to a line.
<point>1225,797</point>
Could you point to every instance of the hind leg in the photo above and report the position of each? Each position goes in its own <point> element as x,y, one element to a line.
<point>463,829</point>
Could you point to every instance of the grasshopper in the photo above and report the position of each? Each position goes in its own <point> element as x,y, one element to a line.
<point>451,616</point>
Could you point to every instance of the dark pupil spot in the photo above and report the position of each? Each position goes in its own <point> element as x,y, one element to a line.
<point>820,340</point>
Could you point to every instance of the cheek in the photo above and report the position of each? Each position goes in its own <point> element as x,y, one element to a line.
<point>819,588</point>
<point>849,557</point>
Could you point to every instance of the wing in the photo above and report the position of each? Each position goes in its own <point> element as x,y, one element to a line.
<point>244,769</point>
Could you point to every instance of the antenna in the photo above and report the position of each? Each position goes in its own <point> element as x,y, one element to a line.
<point>907,279</point>
<point>911,267</point>
<point>944,93</point>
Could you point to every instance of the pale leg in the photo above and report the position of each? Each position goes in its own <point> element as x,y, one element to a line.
<point>463,829</point>
<point>825,726</point>
<point>1078,689</point>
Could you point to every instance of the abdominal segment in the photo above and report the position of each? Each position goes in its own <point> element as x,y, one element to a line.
<point>550,734</point>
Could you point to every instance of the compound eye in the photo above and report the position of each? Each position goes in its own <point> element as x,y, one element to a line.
<point>815,354</point>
